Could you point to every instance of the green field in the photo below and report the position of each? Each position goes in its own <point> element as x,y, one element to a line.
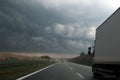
<point>12,71</point>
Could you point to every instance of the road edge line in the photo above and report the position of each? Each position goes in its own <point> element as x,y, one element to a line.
<point>30,74</point>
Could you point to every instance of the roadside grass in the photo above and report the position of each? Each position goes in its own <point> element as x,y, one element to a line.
<point>16,70</point>
<point>84,60</point>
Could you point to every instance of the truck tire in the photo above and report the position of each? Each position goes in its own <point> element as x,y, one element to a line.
<point>119,78</point>
<point>96,75</point>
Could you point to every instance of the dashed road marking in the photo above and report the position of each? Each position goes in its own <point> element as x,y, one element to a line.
<point>71,68</point>
<point>80,75</point>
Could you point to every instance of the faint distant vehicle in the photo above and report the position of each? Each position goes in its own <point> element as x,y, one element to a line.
<point>106,61</point>
<point>56,60</point>
<point>62,60</point>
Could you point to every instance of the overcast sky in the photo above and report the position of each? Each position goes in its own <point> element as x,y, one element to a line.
<point>52,26</point>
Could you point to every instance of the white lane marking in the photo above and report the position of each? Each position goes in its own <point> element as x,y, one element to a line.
<point>71,68</point>
<point>80,75</point>
<point>21,78</point>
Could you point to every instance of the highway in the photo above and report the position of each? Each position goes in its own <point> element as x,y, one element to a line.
<point>63,71</point>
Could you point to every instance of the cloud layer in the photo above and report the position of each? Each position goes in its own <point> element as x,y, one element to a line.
<point>51,25</point>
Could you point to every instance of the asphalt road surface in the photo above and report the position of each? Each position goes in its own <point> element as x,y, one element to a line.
<point>64,71</point>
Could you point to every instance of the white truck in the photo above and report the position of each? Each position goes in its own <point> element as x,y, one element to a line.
<point>106,58</point>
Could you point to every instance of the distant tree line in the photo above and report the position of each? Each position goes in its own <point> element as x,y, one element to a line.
<point>46,57</point>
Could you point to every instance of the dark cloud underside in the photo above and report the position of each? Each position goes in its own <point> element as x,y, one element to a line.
<point>29,26</point>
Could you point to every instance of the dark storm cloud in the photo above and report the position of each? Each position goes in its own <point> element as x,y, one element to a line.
<point>48,26</point>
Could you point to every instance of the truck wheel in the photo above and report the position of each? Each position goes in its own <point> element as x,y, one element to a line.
<point>119,78</point>
<point>96,75</point>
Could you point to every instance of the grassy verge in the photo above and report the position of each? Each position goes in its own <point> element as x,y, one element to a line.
<point>16,70</point>
<point>85,60</point>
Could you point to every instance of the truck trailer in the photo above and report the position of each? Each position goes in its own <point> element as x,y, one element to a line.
<point>106,57</point>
